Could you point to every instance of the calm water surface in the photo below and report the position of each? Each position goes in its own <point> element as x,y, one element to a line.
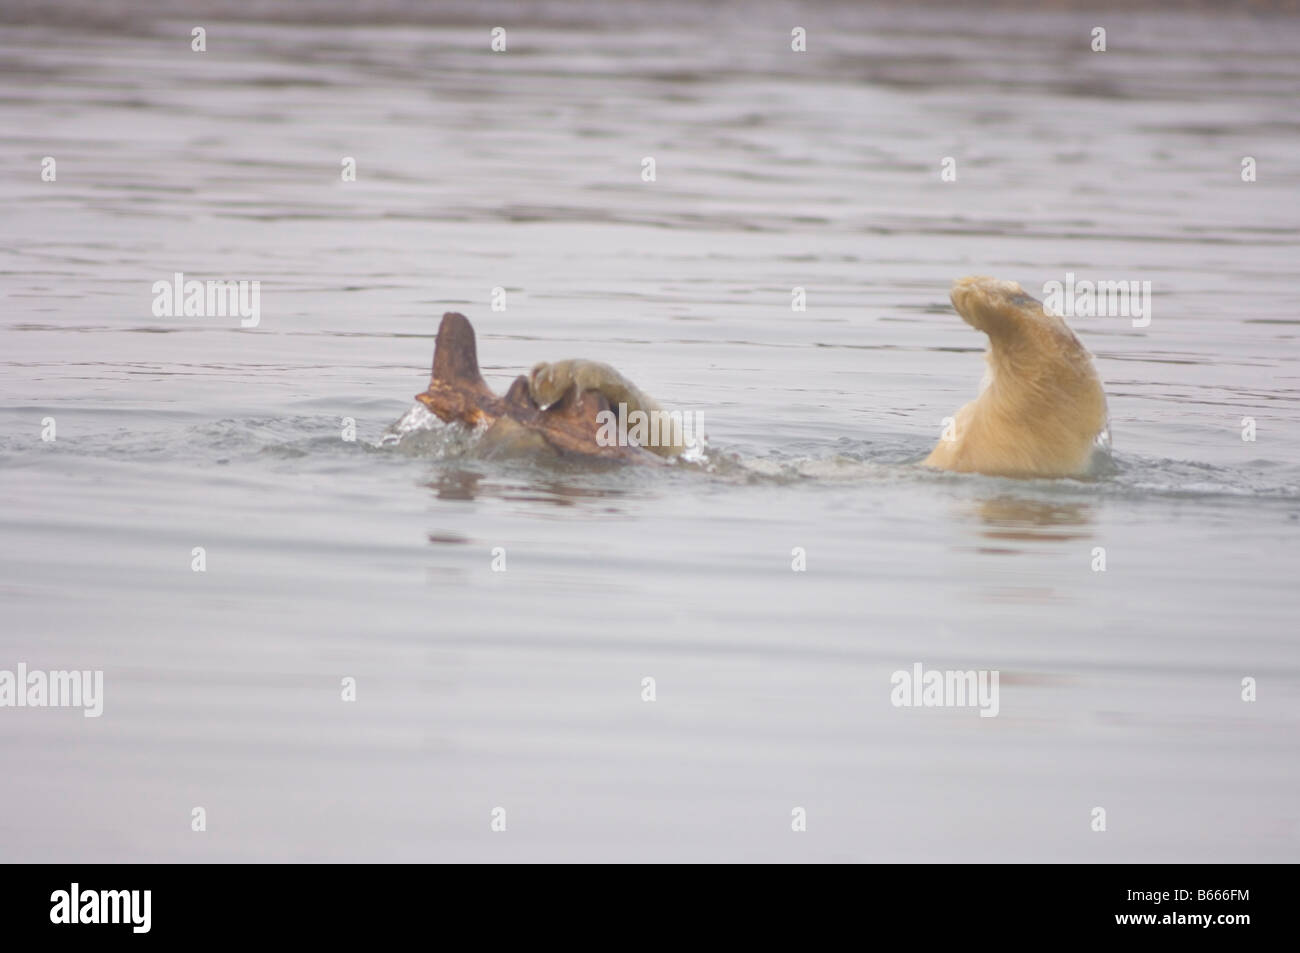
<point>476,689</point>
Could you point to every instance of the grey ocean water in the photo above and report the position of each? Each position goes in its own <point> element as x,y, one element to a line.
<point>522,689</point>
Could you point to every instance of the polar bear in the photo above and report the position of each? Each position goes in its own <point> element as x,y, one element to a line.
<point>1041,411</point>
<point>548,382</point>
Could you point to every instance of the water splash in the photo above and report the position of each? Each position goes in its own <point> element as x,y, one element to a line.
<point>420,432</point>
<point>417,419</point>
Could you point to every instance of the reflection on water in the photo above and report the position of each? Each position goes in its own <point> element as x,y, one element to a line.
<point>1028,520</point>
<point>522,483</point>
<point>456,484</point>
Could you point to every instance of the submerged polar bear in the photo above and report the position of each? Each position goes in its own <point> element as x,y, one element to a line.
<point>1041,411</point>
